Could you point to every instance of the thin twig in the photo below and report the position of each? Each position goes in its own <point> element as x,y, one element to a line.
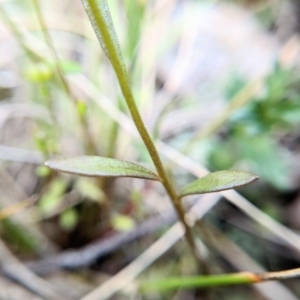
<point>15,270</point>
<point>122,279</point>
<point>242,261</point>
<point>76,259</point>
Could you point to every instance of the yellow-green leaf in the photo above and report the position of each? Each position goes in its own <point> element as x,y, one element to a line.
<point>96,166</point>
<point>218,181</point>
<point>122,223</point>
<point>68,219</point>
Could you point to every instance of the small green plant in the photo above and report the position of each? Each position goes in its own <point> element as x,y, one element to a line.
<point>99,14</point>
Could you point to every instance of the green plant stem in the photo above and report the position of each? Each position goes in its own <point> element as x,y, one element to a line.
<point>99,15</point>
<point>199,282</point>
<point>216,280</point>
<point>83,122</point>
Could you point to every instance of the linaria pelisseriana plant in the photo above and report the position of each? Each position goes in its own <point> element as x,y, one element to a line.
<point>99,15</point>
<point>98,12</point>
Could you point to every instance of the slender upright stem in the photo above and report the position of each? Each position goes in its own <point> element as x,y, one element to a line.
<point>85,132</point>
<point>99,15</point>
<point>15,29</point>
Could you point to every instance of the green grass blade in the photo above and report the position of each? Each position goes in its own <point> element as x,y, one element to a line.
<point>199,282</point>
<point>99,14</point>
<point>218,181</point>
<point>96,166</point>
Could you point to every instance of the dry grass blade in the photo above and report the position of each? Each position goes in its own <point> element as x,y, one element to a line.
<point>174,81</point>
<point>13,291</point>
<point>246,94</point>
<point>242,261</point>
<point>20,155</point>
<point>129,273</point>
<point>84,257</point>
<point>14,269</point>
<point>82,83</point>
<point>235,198</point>
<point>156,250</point>
<point>15,208</point>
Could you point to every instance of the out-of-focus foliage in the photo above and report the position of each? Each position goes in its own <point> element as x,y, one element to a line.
<point>253,134</point>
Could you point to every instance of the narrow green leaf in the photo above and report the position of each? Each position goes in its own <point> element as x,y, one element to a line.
<point>218,181</point>
<point>99,15</point>
<point>199,282</point>
<point>96,166</point>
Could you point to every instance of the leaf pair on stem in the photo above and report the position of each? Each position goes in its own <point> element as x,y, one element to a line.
<point>98,12</point>
<point>96,166</point>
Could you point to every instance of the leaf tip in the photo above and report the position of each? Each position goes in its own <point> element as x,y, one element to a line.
<point>219,181</point>
<point>50,163</point>
<point>255,177</point>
